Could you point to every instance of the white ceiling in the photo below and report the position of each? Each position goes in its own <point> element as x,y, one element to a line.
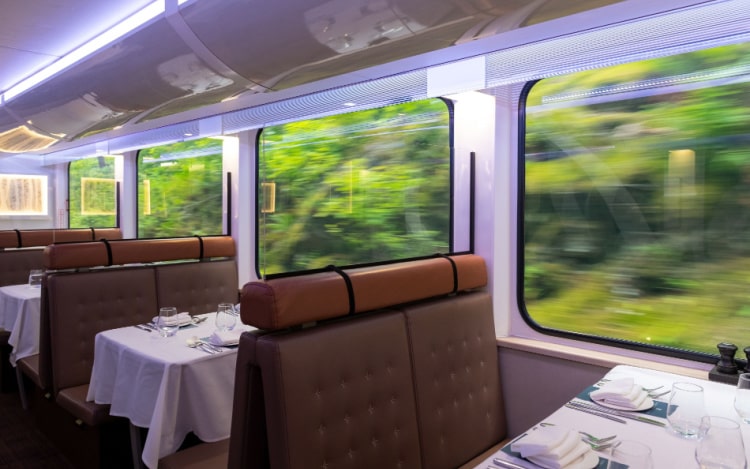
<point>35,33</point>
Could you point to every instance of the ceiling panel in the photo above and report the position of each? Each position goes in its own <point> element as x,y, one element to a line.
<point>35,33</point>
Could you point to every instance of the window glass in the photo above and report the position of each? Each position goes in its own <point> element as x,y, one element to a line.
<point>180,189</point>
<point>92,193</point>
<point>636,204</point>
<point>355,188</point>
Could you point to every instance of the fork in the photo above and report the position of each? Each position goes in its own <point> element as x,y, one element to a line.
<point>653,396</point>
<point>589,436</point>
<point>598,447</point>
<point>595,440</point>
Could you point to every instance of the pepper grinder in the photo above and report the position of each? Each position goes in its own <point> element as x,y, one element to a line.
<point>726,362</point>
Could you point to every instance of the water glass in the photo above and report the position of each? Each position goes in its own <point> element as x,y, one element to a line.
<point>630,454</point>
<point>742,397</point>
<point>167,322</point>
<point>686,409</point>
<point>720,445</point>
<point>225,317</point>
<point>35,278</point>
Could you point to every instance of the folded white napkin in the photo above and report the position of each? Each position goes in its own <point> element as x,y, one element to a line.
<point>545,440</point>
<point>571,459</point>
<point>225,337</point>
<point>179,320</point>
<point>553,447</point>
<point>621,392</point>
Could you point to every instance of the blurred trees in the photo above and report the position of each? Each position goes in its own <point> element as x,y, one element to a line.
<point>637,197</point>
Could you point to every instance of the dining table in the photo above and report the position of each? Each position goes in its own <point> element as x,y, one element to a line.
<point>669,450</point>
<point>166,384</point>
<point>19,314</point>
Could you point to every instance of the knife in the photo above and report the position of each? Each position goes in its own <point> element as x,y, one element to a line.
<point>142,327</point>
<point>596,412</point>
<point>619,413</point>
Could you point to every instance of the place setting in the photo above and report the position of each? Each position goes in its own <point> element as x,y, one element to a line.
<point>551,446</point>
<point>225,337</point>
<point>623,398</point>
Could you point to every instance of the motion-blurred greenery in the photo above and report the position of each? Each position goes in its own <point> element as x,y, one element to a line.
<point>637,202</point>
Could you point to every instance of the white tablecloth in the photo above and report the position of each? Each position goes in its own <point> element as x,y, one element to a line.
<point>668,450</point>
<point>162,384</point>
<point>19,314</point>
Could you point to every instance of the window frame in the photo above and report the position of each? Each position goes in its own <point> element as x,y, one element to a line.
<point>225,196</point>
<point>663,350</point>
<point>118,207</point>
<point>451,217</point>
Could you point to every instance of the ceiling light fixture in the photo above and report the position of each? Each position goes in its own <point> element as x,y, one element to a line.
<point>108,37</point>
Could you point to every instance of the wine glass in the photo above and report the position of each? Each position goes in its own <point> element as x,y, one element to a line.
<point>685,410</point>
<point>225,318</point>
<point>35,278</point>
<point>167,322</point>
<point>720,445</point>
<point>631,454</point>
<point>742,397</point>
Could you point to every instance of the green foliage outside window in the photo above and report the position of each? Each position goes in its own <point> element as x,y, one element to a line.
<point>637,201</point>
<point>92,193</point>
<point>180,189</point>
<point>355,188</point>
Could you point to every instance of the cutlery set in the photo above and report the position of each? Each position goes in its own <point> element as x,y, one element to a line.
<point>195,342</point>
<point>150,326</point>
<point>611,414</point>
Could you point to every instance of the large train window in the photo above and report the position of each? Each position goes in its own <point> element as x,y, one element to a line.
<point>92,193</point>
<point>636,203</point>
<point>180,189</point>
<point>355,188</point>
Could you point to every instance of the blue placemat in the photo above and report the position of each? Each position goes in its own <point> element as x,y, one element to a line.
<point>658,410</point>
<point>602,461</point>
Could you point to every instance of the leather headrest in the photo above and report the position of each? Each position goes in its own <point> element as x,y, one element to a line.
<point>289,301</point>
<point>133,251</point>
<point>45,237</point>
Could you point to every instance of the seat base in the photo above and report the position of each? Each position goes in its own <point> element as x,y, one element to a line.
<point>201,456</point>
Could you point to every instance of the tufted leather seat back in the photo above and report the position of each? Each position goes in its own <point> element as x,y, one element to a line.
<point>456,378</point>
<point>81,304</point>
<point>17,263</point>
<point>342,395</point>
<point>197,287</point>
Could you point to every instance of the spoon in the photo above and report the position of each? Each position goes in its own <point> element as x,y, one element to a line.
<point>195,342</point>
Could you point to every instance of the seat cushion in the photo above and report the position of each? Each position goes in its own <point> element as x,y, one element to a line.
<point>201,456</point>
<point>29,366</point>
<point>74,401</point>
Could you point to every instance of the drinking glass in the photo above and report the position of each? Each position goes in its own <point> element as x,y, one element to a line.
<point>225,318</point>
<point>167,322</point>
<point>720,445</point>
<point>685,409</point>
<point>35,278</point>
<point>630,454</point>
<point>742,397</point>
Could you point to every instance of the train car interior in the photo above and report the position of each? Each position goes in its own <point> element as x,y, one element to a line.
<point>374,233</point>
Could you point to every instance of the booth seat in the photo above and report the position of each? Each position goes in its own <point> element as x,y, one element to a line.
<point>95,286</point>
<point>391,366</point>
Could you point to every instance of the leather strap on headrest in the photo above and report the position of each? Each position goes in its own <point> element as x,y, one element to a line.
<point>109,251</point>
<point>349,288</point>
